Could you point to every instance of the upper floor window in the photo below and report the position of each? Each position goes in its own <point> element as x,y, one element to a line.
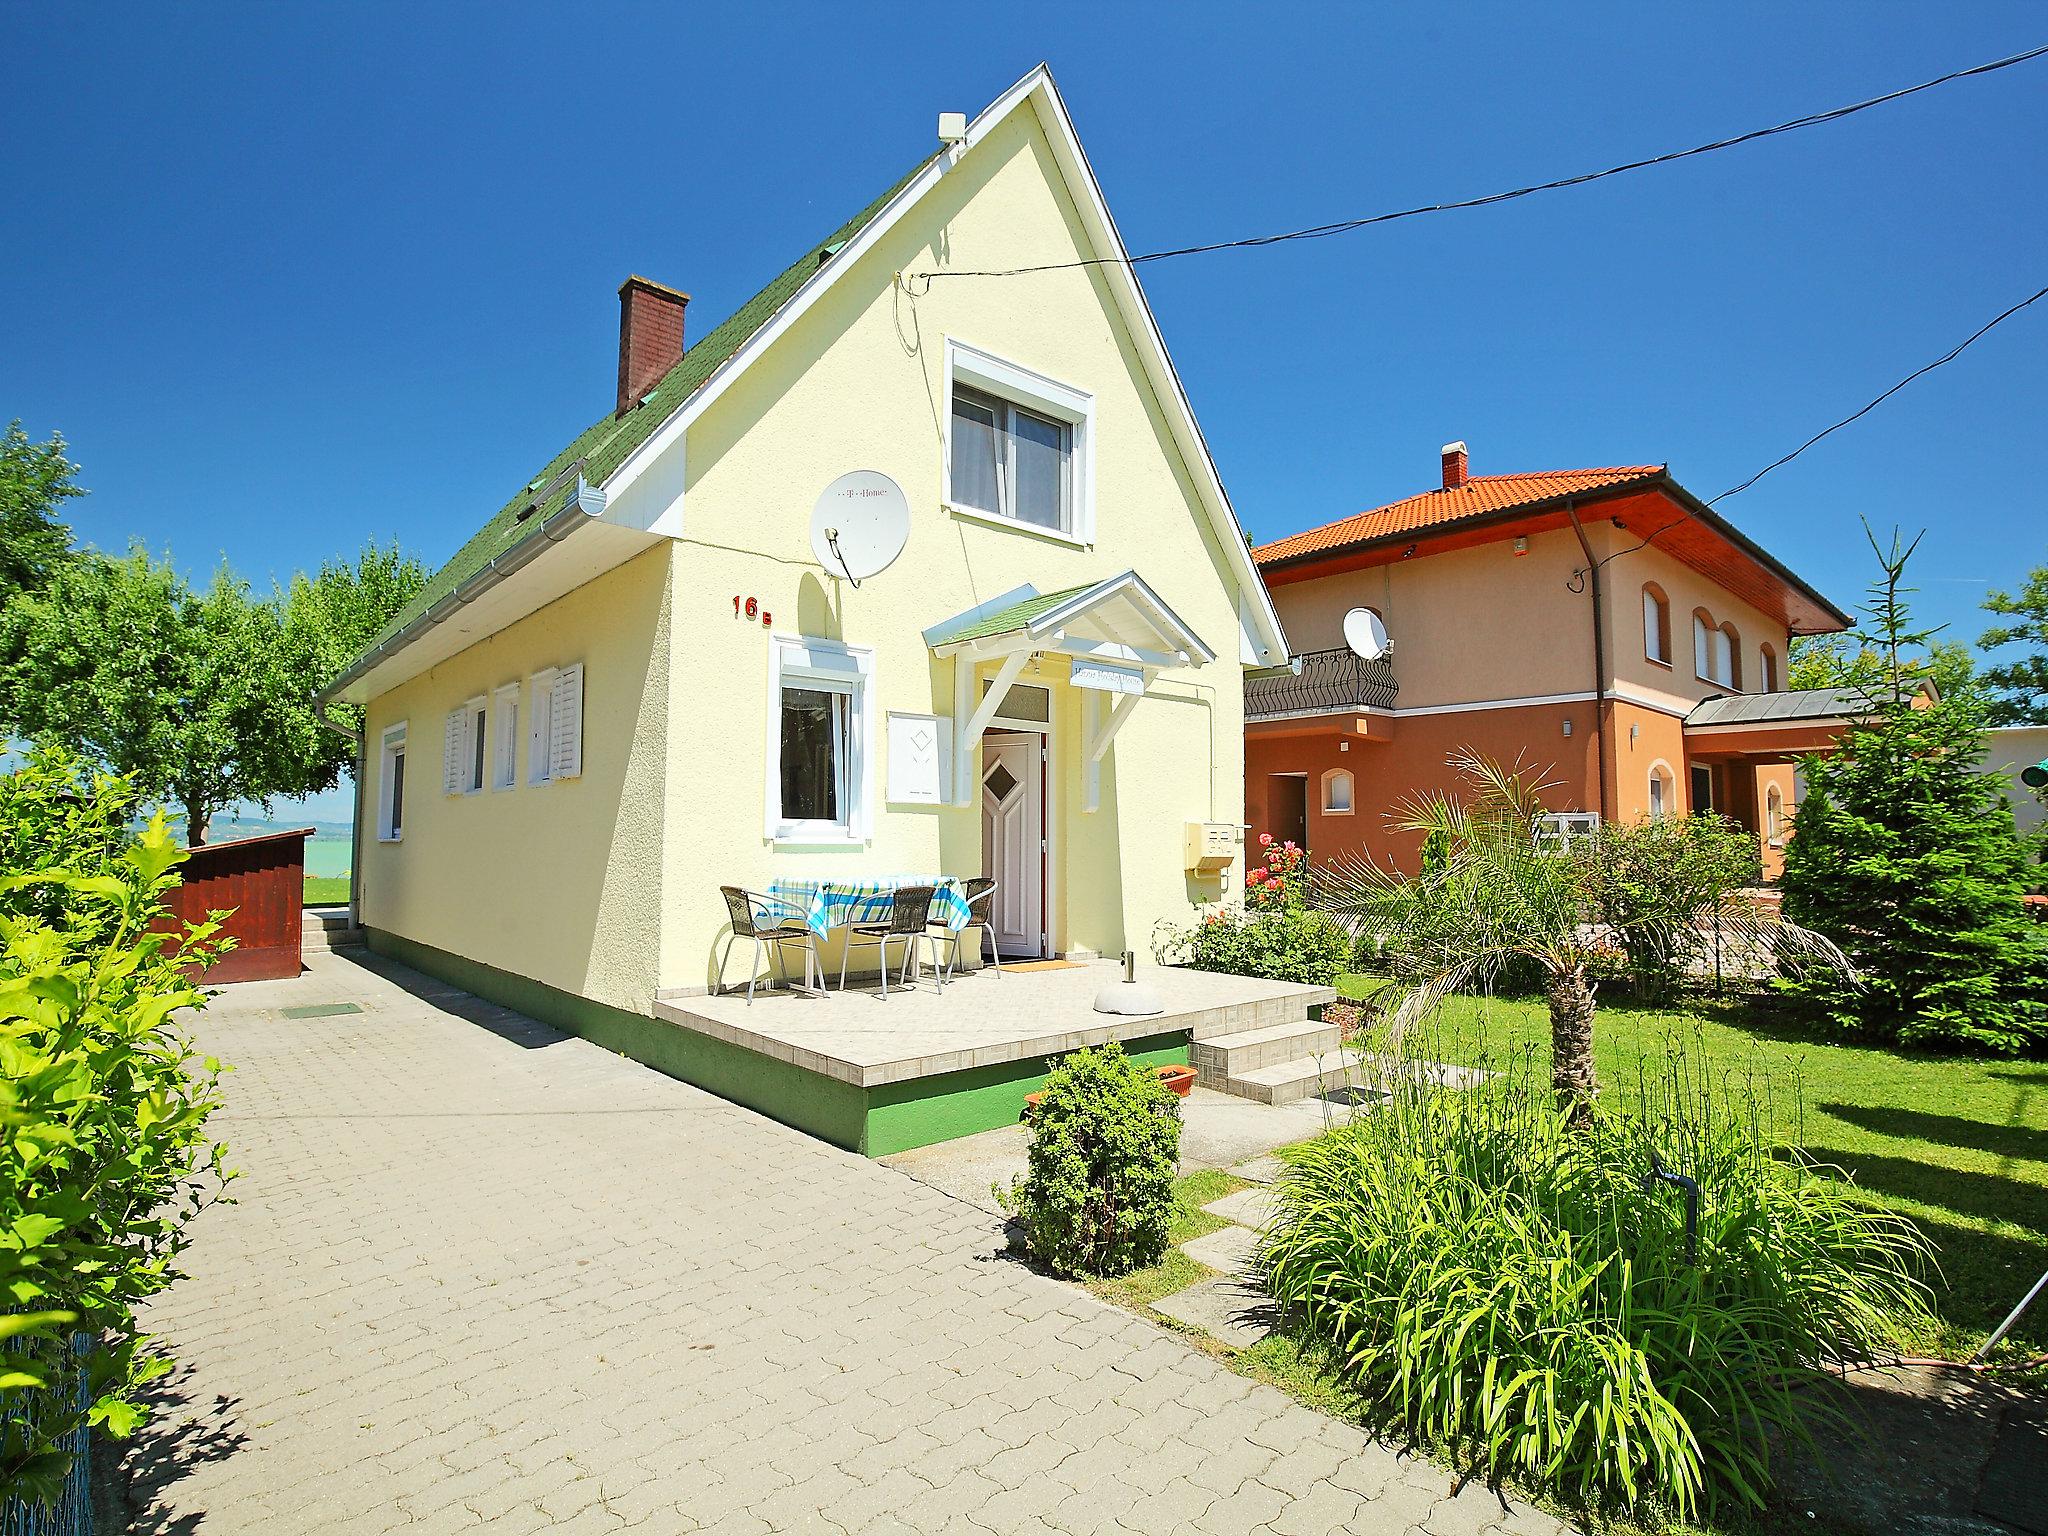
<point>1766,669</point>
<point>1713,650</point>
<point>1656,625</point>
<point>1012,462</point>
<point>1019,448</point>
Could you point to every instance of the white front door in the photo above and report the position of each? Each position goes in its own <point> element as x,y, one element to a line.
<point>1012,838</point>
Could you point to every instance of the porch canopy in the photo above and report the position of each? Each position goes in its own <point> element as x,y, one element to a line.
<point>1772,727</point>
<point>1117,634</point>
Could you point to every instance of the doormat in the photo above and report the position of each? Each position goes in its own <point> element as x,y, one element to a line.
<point>1045,965</point>
<point>319,1010</point>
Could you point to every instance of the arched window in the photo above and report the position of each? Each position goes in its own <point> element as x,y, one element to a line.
<point>1656,624</point>
<point>1703,633</point>
<point>1728,657</point>
<point>1663,791</point>
<point>1337,792</point>
<point>1774,816</point>
<point>1766,669</point>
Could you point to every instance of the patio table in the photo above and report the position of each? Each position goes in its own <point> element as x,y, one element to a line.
<point>823,905</point>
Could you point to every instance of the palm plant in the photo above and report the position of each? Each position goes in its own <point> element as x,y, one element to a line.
<point>1494,890</point>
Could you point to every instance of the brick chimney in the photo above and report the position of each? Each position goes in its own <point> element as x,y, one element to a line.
<point>650,337</point>
<point>1457,470</point>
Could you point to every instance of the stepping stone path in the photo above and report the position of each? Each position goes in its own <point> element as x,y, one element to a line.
<point>1228,1304</point>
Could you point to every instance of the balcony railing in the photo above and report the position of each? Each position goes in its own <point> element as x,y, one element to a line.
<point>1329,683</point>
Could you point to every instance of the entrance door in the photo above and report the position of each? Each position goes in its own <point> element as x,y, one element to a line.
<point>1287,808</point>
<point>1013,839</point>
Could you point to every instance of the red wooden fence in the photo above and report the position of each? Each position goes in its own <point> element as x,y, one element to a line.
<point>264,880</point>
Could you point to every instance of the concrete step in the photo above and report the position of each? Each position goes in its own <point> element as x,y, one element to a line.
<point>1285,1082</point>
<point>1227,1056</point>
<point>328,928</point>
<point>1262,1013</point>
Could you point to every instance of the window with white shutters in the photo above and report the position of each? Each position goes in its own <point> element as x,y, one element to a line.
<point>565,724</point>
<point>454,738</point>
<point>505,737</point>
<point>540,701</point>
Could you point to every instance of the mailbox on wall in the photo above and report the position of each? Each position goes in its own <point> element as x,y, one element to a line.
<point>1211,845</point>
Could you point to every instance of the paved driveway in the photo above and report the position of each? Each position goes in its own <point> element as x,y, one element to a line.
<point>482,1275</point>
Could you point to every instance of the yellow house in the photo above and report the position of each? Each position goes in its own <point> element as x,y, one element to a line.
<point>903,567</point>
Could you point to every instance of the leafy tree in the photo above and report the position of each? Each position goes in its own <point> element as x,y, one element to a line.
<point>204,698</point>
<point>328,620</point>
<point>1501,896</point>
<point>1637,870</point>
<point>35,480</point>
<point>1847,661</point>
<point>2019,685</point>
<point>1907,858</point>
<point>179,689</point>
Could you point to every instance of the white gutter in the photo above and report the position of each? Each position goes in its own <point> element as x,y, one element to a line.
<point>580,510</point>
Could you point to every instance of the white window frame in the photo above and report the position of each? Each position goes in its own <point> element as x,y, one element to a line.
<point>391,752</point>
<point>476,750</point>
<point>1015,384</point>
<point>1332,777</point>
<point>1656,625</point>
<point>804,662</point>
<point>540,697</point>
<point>1664,780</point>
<point>504,766</point>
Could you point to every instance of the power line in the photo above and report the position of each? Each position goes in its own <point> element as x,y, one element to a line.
<point>1346,226</point>
<point>1948,357</point>
<point>1736,490</point>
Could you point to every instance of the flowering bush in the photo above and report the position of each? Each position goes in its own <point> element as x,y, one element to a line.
<point>1280,880</point>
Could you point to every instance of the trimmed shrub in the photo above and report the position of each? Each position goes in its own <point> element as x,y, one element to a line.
<point>1097,1197</point>
<point>107,1157</point>
<point>1638,870</point>
<point>1497,1272</point>
<point>1289,944</point>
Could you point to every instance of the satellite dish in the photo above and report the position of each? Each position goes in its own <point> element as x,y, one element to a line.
<point>1366,635</point>
<point>860,525</point>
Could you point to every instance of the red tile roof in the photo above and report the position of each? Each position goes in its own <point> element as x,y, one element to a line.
<point>1480,496</point>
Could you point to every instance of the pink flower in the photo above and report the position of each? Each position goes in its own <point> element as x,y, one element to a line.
<point>1265,839</point>
<point>1256,877</point>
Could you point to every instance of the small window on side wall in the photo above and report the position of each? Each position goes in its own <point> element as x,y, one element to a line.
<point>1656,625</point>
<point>1774,816</point>
<point>1663,792</point>
<point>1766,670</point>
<point>554,724</point>
<point>391,784</point>
<point>1337,788</point>
<point>463,748</point>
<point>505,736</point>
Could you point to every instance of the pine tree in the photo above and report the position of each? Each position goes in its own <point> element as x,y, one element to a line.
<point>1908,859</point>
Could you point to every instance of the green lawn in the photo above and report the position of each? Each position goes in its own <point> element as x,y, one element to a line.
<point>326,890</point>
<point>1960,1145</point>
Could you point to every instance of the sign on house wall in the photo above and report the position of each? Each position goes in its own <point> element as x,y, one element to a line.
<point>919,758</point>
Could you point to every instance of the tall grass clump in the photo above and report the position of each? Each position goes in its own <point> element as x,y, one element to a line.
<point>1490,1266</point>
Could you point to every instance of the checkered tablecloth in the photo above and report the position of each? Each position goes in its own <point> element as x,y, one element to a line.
<point>826,904</point>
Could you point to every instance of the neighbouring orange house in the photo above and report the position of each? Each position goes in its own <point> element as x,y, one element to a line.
<point>1604,624</point>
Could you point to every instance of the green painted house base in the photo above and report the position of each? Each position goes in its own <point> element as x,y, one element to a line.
<point>890,1117</point>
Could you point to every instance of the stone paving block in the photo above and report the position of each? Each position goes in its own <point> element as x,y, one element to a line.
<point>421,1310</point>
<point>1225,1306</point>
<point>1254,1207</point>
<point>1228,1250</point>
<point>1264,1169</point>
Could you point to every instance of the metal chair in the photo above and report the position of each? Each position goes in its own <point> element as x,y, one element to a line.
<point>743,907</point>
<point>981,897</point>
<point>909,918</point>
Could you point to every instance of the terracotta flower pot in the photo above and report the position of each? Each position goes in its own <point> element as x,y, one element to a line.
<point>1180,1079</point>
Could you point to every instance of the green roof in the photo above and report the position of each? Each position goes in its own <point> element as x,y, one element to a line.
<point>1016,616</point>
<point>604,445</point>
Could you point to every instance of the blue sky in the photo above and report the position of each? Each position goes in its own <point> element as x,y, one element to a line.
<point>289,278</point>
